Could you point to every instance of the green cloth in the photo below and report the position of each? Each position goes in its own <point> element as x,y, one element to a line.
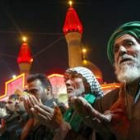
<point>73,118</point>
<point>132,28</point>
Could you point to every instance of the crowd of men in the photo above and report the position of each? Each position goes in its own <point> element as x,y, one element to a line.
<point>90,115</point>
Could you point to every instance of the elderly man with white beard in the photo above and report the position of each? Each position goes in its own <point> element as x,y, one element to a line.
<point>119,110</point>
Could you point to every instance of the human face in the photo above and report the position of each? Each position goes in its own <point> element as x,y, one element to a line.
<point>74,85</point>
<point>36,88</point>
<point>10,106</point>
<point>127,58</point>
<point>19,106</point>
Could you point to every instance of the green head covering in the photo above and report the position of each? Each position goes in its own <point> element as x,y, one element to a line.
<point>132,28</point>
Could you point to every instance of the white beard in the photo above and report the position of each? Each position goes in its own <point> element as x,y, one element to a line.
<point>127,73</point>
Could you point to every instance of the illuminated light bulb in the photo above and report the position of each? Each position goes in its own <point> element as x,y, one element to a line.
<point>31,60</point>
<point>85,61</point>
<point>84,50</point>
<point>14,76</point>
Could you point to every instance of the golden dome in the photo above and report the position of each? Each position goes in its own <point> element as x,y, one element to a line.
<point>94,69</point>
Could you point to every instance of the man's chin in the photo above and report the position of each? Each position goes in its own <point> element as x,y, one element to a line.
<point>128,74</point>
<point>70,96</point>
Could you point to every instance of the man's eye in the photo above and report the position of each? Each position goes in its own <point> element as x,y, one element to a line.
<point>116,49</point>
<point>9,102</point>
<point>129,43</point>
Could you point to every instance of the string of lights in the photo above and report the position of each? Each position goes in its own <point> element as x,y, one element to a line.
<point>48,47</point>
<point>40,52</point>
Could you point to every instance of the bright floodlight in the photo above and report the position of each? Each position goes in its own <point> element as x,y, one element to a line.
<point>70,3</point>
<point>24,39</point>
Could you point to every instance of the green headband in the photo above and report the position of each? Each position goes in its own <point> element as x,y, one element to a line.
<point>132,28</point>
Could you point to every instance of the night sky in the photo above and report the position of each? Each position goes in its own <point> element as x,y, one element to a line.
<point>42,23</point>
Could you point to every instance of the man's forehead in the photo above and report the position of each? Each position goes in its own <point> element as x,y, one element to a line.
<point>122,38</point>
<point>72,75</point>
<point>11,100</point>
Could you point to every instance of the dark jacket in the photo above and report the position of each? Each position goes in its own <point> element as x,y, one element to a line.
<point>13,130</point>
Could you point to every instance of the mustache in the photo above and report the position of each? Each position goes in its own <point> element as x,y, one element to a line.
<point>125,57</point>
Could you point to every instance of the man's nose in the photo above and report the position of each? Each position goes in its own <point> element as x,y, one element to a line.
<point>17,101</point>
<point>68,82</point>
<point>122,50</point>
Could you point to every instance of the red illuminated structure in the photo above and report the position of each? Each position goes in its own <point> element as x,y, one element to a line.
<point>72,22</point>
<point>25,54</point>
<point>73,30</point>
<point>12,85</point>
<point>58,85</point>
<point>25,58</point>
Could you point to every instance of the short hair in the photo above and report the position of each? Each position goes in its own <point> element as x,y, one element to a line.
<point>42,78</point>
